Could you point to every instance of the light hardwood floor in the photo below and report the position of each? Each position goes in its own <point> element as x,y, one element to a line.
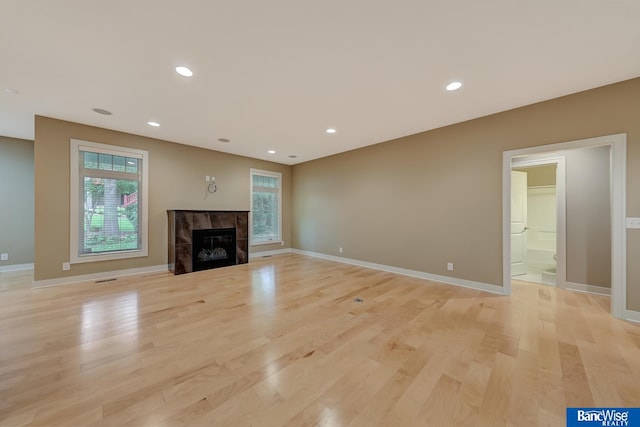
<point>281,342</point>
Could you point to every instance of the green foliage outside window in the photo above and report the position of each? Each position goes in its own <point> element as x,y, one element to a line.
<point>110,223</point>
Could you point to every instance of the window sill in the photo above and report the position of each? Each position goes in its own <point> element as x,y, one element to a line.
<point>108,256</point>
<point>267,242</point>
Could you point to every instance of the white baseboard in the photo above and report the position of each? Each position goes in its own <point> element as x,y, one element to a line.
<point>129,272</point>
<point>632,316</point>
<point>590,289</point>
<point>495,289</point>
<point>99,276</point>
<point>16,267</point>
<point>261,254</point>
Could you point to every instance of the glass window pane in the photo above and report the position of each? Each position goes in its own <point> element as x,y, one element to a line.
<point>265,181</point>
<point>105,162</point>
<point>265,215</point>
<point>132,165</point>
<point>118,164</point>
<point>110,216</point>
<point>90,160</point>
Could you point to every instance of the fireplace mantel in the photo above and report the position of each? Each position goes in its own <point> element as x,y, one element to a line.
<point>183,222</point>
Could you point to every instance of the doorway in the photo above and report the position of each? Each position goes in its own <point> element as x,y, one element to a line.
<point>617,172</point>
<point>538,210</point>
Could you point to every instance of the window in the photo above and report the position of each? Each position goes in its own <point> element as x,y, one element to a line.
<point>108,202</point>
<point>266,207</point>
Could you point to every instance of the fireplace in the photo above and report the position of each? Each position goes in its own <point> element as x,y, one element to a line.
<point>212,248</point>
<point>221,237</point>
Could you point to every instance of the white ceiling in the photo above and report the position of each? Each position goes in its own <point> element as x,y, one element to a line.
<point>275,74</point>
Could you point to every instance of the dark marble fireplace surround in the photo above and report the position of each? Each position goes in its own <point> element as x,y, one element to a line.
<point>183,222</point>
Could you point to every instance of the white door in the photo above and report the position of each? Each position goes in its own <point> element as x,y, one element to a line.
<point>518,223</point>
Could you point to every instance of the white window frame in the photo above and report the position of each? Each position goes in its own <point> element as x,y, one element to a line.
<point>278,239</point>
<point>75,196</point>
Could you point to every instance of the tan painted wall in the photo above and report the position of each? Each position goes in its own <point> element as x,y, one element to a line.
<point>538,176</point>
<point>16,200</point>
<point>424,200</point>
<point>588,216</point>
<point>176,181</point>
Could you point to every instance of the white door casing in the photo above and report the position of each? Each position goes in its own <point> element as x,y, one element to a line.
<point>518,223</point>
<point>618,144</point>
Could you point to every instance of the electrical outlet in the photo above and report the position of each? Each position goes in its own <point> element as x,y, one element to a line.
<point>633,222</point>
<point>4,257</point>
<point>206,178</point>
<point>450,266</point>
<point>340,249</point>
<point>66,266</point>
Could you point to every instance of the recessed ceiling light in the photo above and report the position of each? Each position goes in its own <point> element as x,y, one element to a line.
<point>271,151</point>
<point>454,86</point>
<point>102,111</point>
<point>11,91</point>
<point>224,140</point>
<point>293,156</point>
<point>184,71</point>
<point>331,130</point>
<point>154,124</point>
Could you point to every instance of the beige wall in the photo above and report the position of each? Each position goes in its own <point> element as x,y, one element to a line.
<point>424,200</point>
<point>16,200</point>
<point>588,216</point>
<point>538,176</point>
<point>176,181</point>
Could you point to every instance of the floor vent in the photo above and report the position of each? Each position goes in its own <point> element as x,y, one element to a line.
<point>106,280</point>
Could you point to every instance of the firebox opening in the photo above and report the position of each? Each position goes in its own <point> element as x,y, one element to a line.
<point>214,248</point>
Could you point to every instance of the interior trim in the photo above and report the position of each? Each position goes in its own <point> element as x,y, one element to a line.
<point>99,276</point>
<point>494,289</point>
